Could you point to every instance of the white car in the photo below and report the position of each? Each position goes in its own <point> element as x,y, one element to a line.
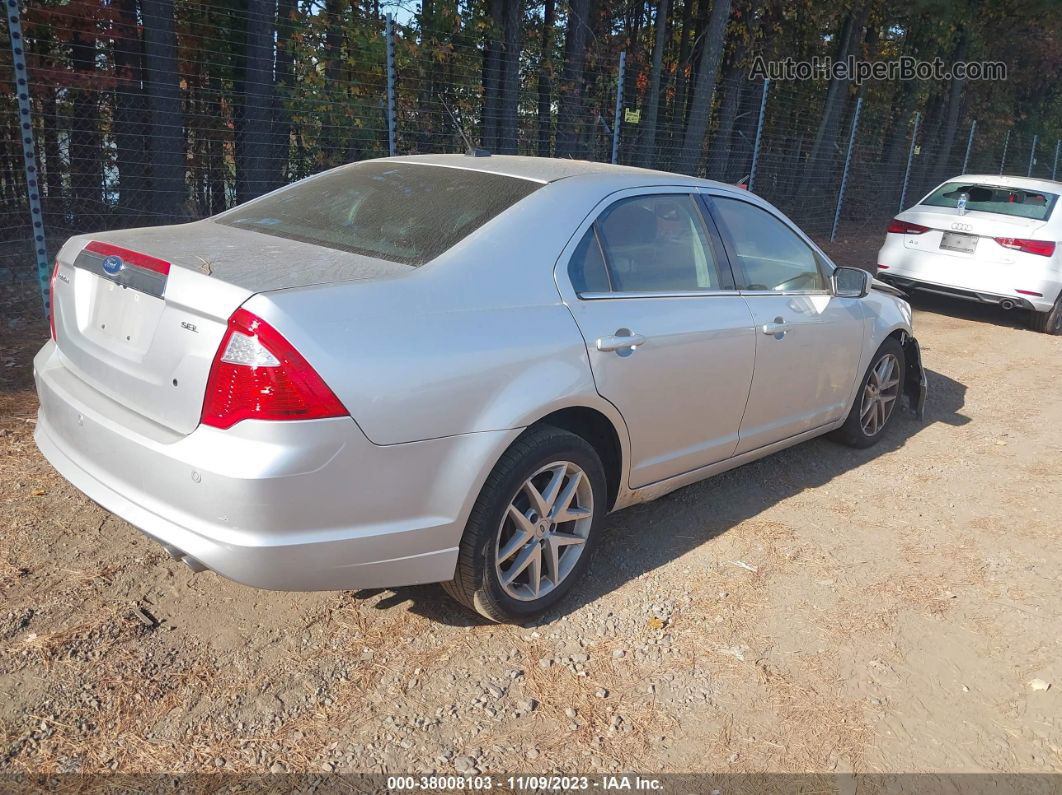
<point>985,238</point>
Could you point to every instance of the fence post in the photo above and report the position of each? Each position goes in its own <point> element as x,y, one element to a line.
<point>29,153</point>
<point>1006,143</point>
<point>389,35</point>
<point>619,107</point>
<point>847,164</point>
<point>969,146</point>
<point>910,157</point>
<point>1032,157</point>
<point>759,134</point>
<point>1054,167</point>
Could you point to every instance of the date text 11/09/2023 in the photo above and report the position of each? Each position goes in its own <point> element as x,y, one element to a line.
<point>476,783</point>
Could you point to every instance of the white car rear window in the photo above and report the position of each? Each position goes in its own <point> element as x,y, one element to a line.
<point>1020,202</point>
<point>402,212</point>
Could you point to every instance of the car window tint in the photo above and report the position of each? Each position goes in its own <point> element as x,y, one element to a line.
<point>587,267</point>
<point>657,243</point>
<point>403,212</point>
<point>771,256</point>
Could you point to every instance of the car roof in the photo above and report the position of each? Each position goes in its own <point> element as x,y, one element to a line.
<point>549,169</point>
<point>1008,181</point>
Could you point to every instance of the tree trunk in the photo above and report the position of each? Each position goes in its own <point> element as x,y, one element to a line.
<point>492,76</point>
<point>652,104</point>
<point>86,166</point>
<point>130,144</point>
<point>53,162</point>
<point>545,79</point>
<point>510,79</point>
<point>330,142</point>
<point>165,125</point>
<point>734,91</point>
<point>707,70</point>
<point>820,161</point>
<point>682,69</point>
<point>569,111</point>
<point>285,87</point>
<point>216,169</point>
<point>951,124</point>
<point>255,102</point>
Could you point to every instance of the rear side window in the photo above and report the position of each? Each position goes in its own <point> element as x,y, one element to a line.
<point>647,244</point>
<point>402,212</point>
<point>1035,204</point>
<point>587,267</point>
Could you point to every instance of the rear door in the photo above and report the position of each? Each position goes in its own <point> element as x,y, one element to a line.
<point>808,341</point>
<point>670,341</point>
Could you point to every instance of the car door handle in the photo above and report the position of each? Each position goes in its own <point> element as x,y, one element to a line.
<point>777,329</point>
<point>619,342</point>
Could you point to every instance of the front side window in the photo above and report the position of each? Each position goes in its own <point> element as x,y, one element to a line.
<point>402,212</point>
<point>770,255</point>
<point>657,243</point>
<point>1035,204</point>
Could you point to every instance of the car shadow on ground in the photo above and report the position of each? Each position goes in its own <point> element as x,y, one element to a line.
<point>641,538</point>
<point>969,310</point>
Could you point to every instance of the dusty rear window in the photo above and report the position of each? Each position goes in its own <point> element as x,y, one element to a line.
<point>402,212</point>
<point>1019,202</point>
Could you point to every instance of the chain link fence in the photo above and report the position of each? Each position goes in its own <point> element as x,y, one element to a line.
<point>134,115</point>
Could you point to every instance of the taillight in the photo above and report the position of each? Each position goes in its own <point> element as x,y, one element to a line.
<point>1044,248</point>
<point>257,374</point>
<point>898,227</point>
<point>51,298</point>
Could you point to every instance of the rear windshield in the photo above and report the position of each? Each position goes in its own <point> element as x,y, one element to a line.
<point>1020,202</point>
<point>402,212</point>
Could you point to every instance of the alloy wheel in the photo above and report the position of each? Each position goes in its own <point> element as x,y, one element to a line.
<point>879,394</point>
<point>544,531</point>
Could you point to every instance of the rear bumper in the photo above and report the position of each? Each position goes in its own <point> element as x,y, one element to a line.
<point>282,505</point>
<point>979,296</point>
<point>972,279</point>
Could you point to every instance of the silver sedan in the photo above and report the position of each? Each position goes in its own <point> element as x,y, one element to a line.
<point>451,368</point>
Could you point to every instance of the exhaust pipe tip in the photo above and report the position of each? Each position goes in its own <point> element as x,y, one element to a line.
<point>1008,304</point>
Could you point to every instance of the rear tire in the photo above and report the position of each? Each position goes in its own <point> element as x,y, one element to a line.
<point>515,562</point>
<point>1049,322</point>
<point>880,393</point>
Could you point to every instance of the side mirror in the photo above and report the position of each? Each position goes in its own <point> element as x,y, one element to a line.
<point>851,282</point>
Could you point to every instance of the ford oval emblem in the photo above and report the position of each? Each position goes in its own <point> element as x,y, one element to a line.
<point>112,264</point>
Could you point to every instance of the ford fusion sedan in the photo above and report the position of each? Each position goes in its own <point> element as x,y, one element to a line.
<point>990,239</point>
<point>451,368</point>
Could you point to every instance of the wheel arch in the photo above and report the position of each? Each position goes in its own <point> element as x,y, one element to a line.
<point>600,432</point>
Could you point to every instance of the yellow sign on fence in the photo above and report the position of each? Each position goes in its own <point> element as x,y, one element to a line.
<point>632,116</point>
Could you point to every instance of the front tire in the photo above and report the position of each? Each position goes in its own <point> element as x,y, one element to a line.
<point>880,392</point>
<point>1049,322</point>
<point>530,534</point>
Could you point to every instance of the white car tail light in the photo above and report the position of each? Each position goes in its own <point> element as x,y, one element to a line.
<point>1044,248</point>
<point>898,227</point>
<point>257,374</point>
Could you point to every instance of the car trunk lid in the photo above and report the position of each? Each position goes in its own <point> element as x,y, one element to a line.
<point>140,313</point>
<point>968,236</point>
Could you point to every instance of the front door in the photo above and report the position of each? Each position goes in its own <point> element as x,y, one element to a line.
<point>671,342</point>
<point>808,341</point>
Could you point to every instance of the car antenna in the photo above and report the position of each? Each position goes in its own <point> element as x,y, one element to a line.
<point>472,151</point>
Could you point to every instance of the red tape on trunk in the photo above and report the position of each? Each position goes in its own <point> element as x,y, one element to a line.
<point>134,258</point>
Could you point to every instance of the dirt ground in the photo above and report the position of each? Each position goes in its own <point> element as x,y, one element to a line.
<point>826,609</point>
